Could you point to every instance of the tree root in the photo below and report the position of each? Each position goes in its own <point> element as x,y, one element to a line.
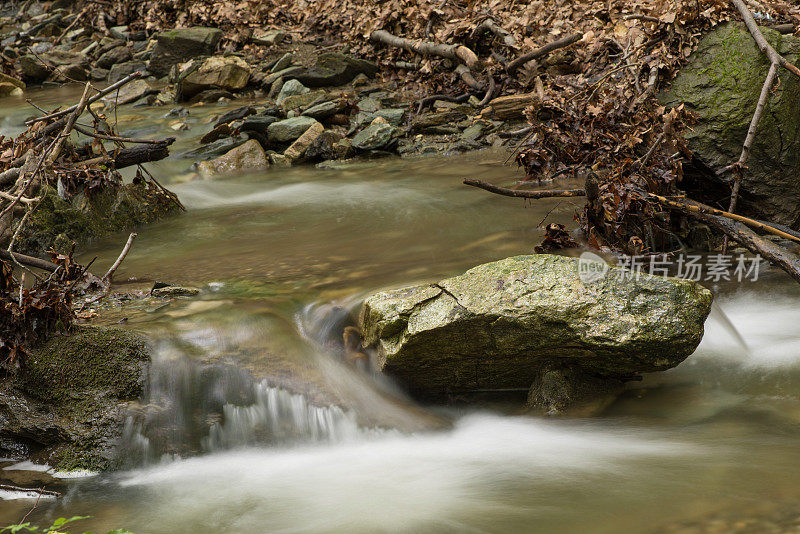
<point>543,51</point>
<point>455,52</point>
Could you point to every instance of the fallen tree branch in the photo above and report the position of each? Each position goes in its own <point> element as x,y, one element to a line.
<point>490,25</point>
<point>90,133</point>
<point>428,100</point>
<point>455,52</point>
<point>30,261</point>
<point>142,154</point>
<point>762,43</point>
<point>788,262</point>
<point>111,270</point>
<point>68,126</point>
<point>466,75</point>
<point>697,207</point>
<point>543,51</point>
<point>40,491</point>
<point>110,89</point>
<point>524,193</point>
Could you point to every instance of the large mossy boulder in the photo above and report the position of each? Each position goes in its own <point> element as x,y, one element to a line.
<point>501,325</point>
<point>179,45</point>
<point>722,84</point>
<point>88,216</point>
<point>67,405</point>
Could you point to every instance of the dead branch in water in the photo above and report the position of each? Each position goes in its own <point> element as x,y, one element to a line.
<point>111,270</point>
<point>524,193</point>
<point>30,261</point>
<point>40,491</point>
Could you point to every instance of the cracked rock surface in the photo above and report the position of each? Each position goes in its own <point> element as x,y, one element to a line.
<point>499,324</point>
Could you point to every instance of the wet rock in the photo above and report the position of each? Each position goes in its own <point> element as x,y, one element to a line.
<point>68,405</point>
<point>131,92</point>
<point>279,160</point>
<point>175,291</point>
<point>473,132</point>
<point>722,84</point>
<point>211,95</point>
<point>501,324</point>
<point>219,132</point>
<point>5,78</point>
<point>291,88</point>
<point>98,75</point>
<point>285,74</point>
<point>563,389</point>
<point>297,150</point>
<point>325,147</point>
<point>229,73</point>
<point>121,70</point>
<point>69,73</point>
<point>33,71</point>
<point>377,135</point>
<point>283,63</point>
<point>324,110</point>
<point>258,124</point>
<point>288,130</point>
<point>179,45</point>
<point>334,69</point>
<point>9,89</point>
<point>119,54</point>
<point>246,157</point>
<point>236,114</point>
<point>216,148</point>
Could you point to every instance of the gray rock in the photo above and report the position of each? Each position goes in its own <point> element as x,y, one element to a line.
<point>229,73</point>
<point>69,404</point>
<point>179,45</point>
<point>500,324</point>
<point>217,148</point>
<point>324,110</point>
<point>283,63</point>
<point>120,70</point>
<point>324,147</point>
<point>335,69</point>
<point>291,88</point>
<point>722,84</point>
<point>270,37</point>
<point>98,75</point>
<point>369,105</point>
<point>393,116</point>
<point>130,92</point>
<point>375,136</point>
<point>258,124</point>
<point>288,130</point>
<point>246,157</point>
<point>119,54</point>
<point>33,71</point>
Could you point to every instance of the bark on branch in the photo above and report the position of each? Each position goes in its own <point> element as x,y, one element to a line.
<point>522,193</point>
<point>455,52</point>
<point>543,51</point>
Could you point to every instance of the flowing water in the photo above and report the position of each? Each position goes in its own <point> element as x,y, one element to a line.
<point>284,438</point>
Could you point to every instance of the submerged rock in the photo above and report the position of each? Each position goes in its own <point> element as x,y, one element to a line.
<point>67,406</point>
<point>722,84</point>
<point>503,324</point>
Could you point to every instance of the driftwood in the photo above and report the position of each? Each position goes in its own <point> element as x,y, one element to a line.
<point>30,261</point>
<point>543,51</point>
<point>510,107</point>
<point>142,154</point>
<point>524,193</point>
<point>111,270</point>
<point>40,491</point>
<point>455,52</point>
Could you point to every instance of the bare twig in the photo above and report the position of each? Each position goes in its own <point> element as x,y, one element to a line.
<point>491,26</point>
<point>40,491</point>
<point>762,43</point>
<point>524,193</point>
<point>115,266</point>
<point>110,89</point>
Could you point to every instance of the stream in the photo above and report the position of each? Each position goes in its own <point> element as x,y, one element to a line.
<point>288,439</point>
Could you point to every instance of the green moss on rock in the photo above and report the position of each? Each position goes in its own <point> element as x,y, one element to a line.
<point>722,84</point>
<point>496,325</point>
<point>87,217</point>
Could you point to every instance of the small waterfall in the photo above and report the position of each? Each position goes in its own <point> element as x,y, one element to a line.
<point>278,416</point>
<point>191,409</point>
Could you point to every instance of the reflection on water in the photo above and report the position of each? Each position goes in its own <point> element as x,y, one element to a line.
<point>245,375</point>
